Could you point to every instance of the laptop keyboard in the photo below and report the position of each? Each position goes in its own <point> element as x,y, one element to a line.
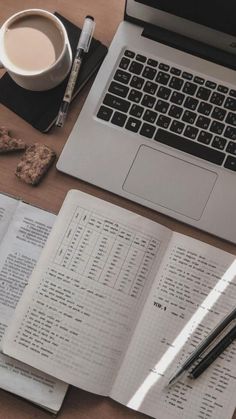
<point>174,107</point>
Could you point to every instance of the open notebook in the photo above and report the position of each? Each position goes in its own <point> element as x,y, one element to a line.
<point>117,302</point>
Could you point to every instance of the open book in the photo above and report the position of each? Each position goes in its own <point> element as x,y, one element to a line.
<point>23,233</point>
<point>117,302</point>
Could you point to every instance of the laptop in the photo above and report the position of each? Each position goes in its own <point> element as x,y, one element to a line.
<point>159,124</point>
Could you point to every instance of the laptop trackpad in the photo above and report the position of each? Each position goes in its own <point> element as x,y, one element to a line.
<point>170,182</point>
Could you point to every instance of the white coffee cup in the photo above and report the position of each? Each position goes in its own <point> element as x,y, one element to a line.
<point>48,34</point>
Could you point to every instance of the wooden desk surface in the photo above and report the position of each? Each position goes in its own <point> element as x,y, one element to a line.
<point>51,192</point>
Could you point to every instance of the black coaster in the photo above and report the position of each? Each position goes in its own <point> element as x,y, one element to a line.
<point>40,109</point>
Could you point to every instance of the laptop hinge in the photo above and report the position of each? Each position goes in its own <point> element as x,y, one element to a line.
<point>190,46</point>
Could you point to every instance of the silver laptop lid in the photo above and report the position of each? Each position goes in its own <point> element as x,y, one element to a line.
<point>212,22</point>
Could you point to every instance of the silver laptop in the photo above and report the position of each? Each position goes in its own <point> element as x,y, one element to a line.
<point>159,124</point>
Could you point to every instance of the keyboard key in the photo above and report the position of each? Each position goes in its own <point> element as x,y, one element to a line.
<point>210,84</point>
<point>203,93</point>
<point>104,113</point>
<point>189,88</point>
<point>163,121</point>
<point>133,124</point>
<point>175,71</point>
<point>217,127</point>
<point>232,93</point>
<point>175,111</point>
<point>136,68</point>
<point>162,78</point>
<point>152,63</point>
<point>230,133</point>
<point>150,116</point>
<point>230,104</point>
<point>163,92</point>
<point>148,101</point>
<point>136,110</point>
<point>124,64</point>
<point>231,148</point>
<point>119,119</point>
<point>129,53</point>
<point>191,103</point>
<point>150,87</point>
<point>194,148</point>
<point>135,96</point>
<point>177,127</point>
<point>122,76</point>
<point>217,98</point>
<point>118,89</point>
<point>219,142</point>
<point>189,117</point>
<point>177,98</point>
<point>164,67</point>
<point>141,58</point>
<point>187,76</point>
<point>231,119</point>
<point>162,106</point>
<point>137,82</point>
<point>205,137</point>
<point>204,108</point>
<point>222,89</point>
<point>149,73</point>
<point>198,80</point>
<point>203,122</point>
<point>218,113</point>
<point>176,83</point>
<point>147,130</point>
<point>116,103</point>
<point>230,163</point>
<point>191,132</point>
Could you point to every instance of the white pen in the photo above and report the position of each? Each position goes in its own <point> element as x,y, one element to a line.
<point>82,48</point>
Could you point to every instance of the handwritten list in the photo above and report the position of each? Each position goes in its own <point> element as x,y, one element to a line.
<point>107,252</point>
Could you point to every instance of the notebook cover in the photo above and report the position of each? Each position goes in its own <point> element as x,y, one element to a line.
<point>40,109</point>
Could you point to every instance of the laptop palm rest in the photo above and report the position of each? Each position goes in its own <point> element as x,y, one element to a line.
<point>184,189</point>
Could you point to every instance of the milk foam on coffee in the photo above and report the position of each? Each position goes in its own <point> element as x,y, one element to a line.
<point>33,43</point>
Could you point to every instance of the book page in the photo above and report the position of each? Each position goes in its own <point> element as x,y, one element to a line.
<point>194,289</point>
<point>7,209</point>
<point>86,292</point>
<point>20,248</point>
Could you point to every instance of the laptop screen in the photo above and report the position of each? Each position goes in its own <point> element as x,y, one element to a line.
<point>216,14</point>
<point>219,15</point>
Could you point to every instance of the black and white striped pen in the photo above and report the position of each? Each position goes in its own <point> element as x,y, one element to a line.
<point>82,48</point>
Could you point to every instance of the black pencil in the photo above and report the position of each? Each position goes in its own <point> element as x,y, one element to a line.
<point>203,346</point>
<point>214,353</point>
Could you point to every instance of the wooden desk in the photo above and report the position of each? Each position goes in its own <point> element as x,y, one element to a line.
<point>51,192</point>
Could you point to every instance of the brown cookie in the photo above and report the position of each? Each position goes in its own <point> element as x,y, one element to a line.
<point>8,144</point>
<point>34,163</point>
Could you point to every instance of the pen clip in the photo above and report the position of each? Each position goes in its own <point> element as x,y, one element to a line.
<point>86,34</point>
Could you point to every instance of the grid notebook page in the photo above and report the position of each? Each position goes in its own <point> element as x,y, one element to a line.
<point>195,288</point>
<point>87,291</point>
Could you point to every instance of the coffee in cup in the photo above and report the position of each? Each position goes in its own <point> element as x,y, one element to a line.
<point>35,50</point>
